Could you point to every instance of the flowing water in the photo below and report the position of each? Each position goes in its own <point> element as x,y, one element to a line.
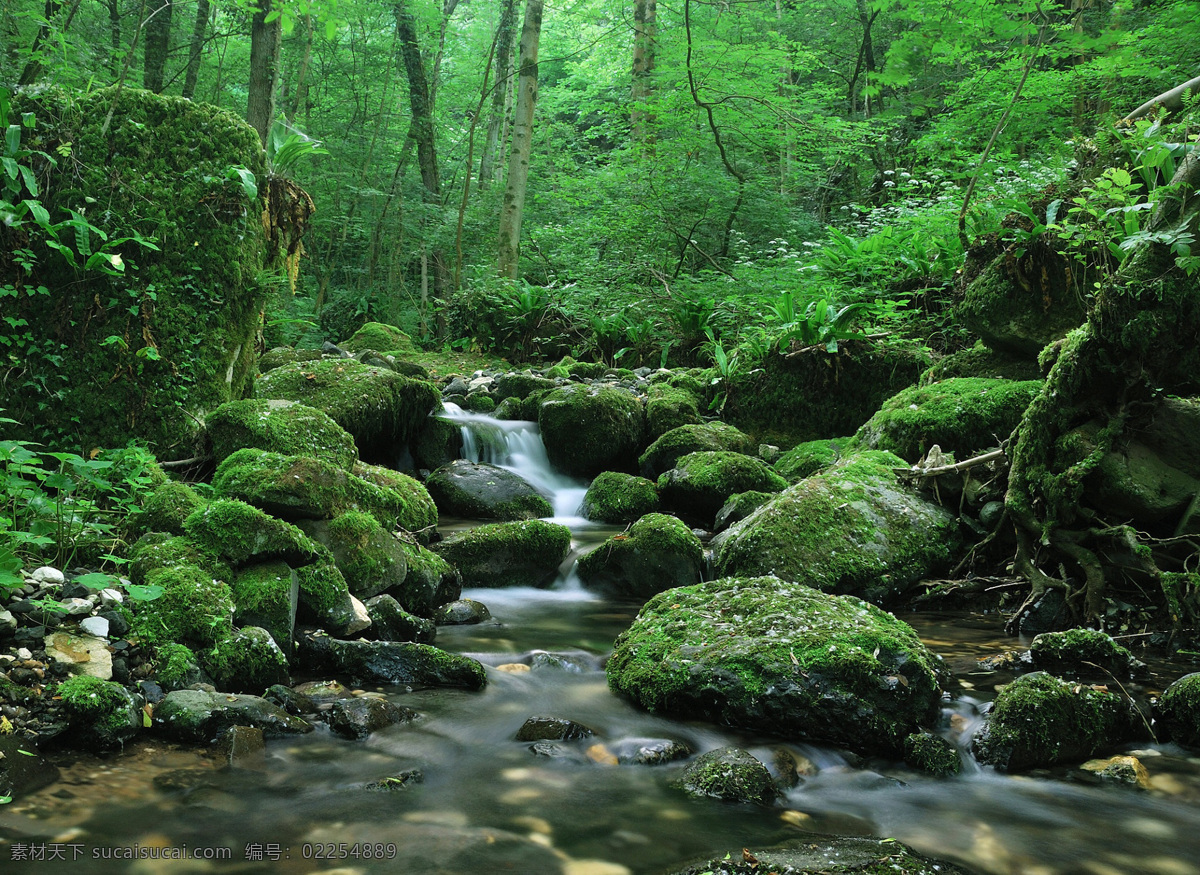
<point>488,804</point>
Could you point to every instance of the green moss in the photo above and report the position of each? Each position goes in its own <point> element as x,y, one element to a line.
<point>262,596</point>
<point>248,660</point>
<point>1084,651</point>
<point>404,501</point>
<point>284,427</point>
<point>982,361</point>
<point>656,553</point>
<point>379,337</point>
<point>808,458</point>
<point>324,595</point>
<point>103,709</point>
<point>520,385</point>
<point>480,402</point>
<point>194,608</point>
<point>175,665</point>
<point>237,532</point>
<point>155,551</point>
<point>619,498</point>
<point>282,355</point>
<point>507,554</point>
<point>669,407</point>
<point>1179,710</point>
<point>588,429</point>
<point>662,455</point>
<point>167,507</point>
<point>700,483</point>
<point>932,754</point>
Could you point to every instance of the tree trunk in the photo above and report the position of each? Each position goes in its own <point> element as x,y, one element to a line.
<point>866,61</point>
<point>522,143</point>
<point>299,97</point>
<point>645,34</point>
<point>265,38</point>
<point>34,68</point>
<point>114,35</point>
<point>157,45</point>
<point>203,10</point>
<point>502,91</point>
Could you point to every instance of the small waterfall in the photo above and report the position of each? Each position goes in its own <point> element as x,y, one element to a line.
<point>517,446</point>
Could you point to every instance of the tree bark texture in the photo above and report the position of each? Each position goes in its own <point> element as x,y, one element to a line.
<point>502,94</point>
<point>645,34</point>
<point>420,102</point>
<point>157,45</point>
<point>195,47</point>
<point>265,39</point>
<point>522,142</point>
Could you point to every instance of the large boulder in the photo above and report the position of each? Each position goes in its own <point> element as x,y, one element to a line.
<point>266,595</point>
<point>810,457</point>
<point>165,509</point>
<point>658,552</point>
<point>588,429</point>
<point>238,533</point>
<point>1178,711</point>
<point>193,608</point>
<point>379,407</point>
<point>670,406</point>
<point>700,483</point>
<point>614,497</point>
<point>777,657</point>
<point>380,337</point>
<point>852,529</point>
<point>730,774</point>
<point>371,559</point>
<point>662,455</point>
<point>508,554</point>
<point>961,415</point>
<point>485,492</point>
<point>392,662</point>
<point>285,427</point>
<point>1039,720</point>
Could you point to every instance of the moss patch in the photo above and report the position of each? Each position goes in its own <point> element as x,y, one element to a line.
<point>102,712</point>
<point>507,554</point>
<point>194,608</point>
<point>167,507</point>
<point>700,483</point>
<point>662,455</point>
<point>262,596</point>
<point>669,407</point>
<point>810,457</point>
<point>614,497</point>
<point>589,429</point>
<point>379,337</point>
<point>285,427</point>
<point>237,532</point>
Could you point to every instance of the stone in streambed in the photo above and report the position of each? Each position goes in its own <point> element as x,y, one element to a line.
<point>357,717</point>
<point>552,729</point>
<point>390,622</point>
<point>508,554</point>
<point>700,483</point>
<point>614,497</point>
<point>662,455</point>
<point>391,662</point>
<point>462,612</point>
<point>730,774</point>
<point>589,429</point>
<point>199,716</point>
<point>485,492</point>
<point>658,552</point>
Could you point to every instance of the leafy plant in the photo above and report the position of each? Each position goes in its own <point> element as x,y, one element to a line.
<point>287,147</point>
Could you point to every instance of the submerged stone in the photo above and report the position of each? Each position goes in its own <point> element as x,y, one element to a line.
<point>462,612</point>
<point>23,769</point>
<point>552,729</point>
<point>357,717</point>
<point>195,715</point>
<point>392,662</point>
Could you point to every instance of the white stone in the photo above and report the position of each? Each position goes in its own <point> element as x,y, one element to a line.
<point>24,653</point>
<point>77,607</point>
<point>97,626</point>
<point>480,383</point>
<point>361,619</point>
<point>112,597</point>
<point>48,574</point>
<point>8,623</point>
<point>89,656</point>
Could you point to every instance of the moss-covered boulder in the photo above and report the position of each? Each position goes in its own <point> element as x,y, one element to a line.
<point>176,667</point>
<point>730,774</point>
<point>431,580</point>
<point>1178,711</point>
<point>668,407</point>
<point>662,455</point>
<point>248,661</point>
<point>282,355</point>
<point>154,551</point>
<point>166,507</point>
<point>614,497</point>
<point>285,427</point>
<point>853,529</point>
<point>404,496</point>
<point>438,443</point>
<point>237,533</point>
<point>198,716</point>
<point>824,855</point>
<point>932,754</point>
<point>1082,653</point>
<point>658,552</point>
<point>983,361</point>
<point>961,415</point>
<point>102,715</point>
<point>187,312</point>
<point>379,407</point>
<point>1039,720</point>
<point>485,492</point>
<point>520,385</point>
<point>777,657</point>
<point>324,598</point>
<point>737,507</point>
<point>371,559</point>
<point>380,337</point>
<point>810,457</point>
<point>390,622</point>
<point>508,554</point>
<point>193,609</point>
<point>266,596</point>
<point>700,483</point>
<point>392,662</point>
<point>589,429</point>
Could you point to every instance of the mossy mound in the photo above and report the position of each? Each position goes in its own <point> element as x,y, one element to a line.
<point>1082,653</point>
<point>176,666</point>
<point>700,483</point>
<point>249,660</point>
<point>737,507</point>
<point>508,554</point>
<point>730,774</point>
<point>188,312</point>
<point>165,509</point>
<point>982,361</point>
<point>485,492</point>
<point>519,385</point>
<point>810,457</point>
<point>932,754</point>
<point>658,552</point>
<point>324,597</point>
<point>777,657</point>
<point>853,529</point>
<point>370,558</point>
<point>589,429</point>
<point>285,427</point>
<point>415,511</point>
<point>379,337</point>
<point>1039,720</point>
<point>668,407</point>
<point>284,355</point>
<point>237,533</point>
<point>431,580</point>
<point>156,550</point>
<point>1178,710</point>
<point>194,609</point>
<point>825,855</point>
<point>662,455</point>
<point>438,443</point>
<point>962,416</point>
<point>379,407</point>
<point>614,497</point>
<point>103,715</point>
<point>263,596</point>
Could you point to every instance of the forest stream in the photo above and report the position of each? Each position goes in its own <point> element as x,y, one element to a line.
<point>486,803</point>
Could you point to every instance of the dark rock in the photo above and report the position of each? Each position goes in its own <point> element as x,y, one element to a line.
<point>102,714</point>
<point>827,855</point>
<point>508,554</point>
<point>390,622</point>
<point>1047,614</point>
<point>292,701</point>
<point>552,729</point>
<point>658,552</point>
<point>662,455</point>
<point>931,753</point>
<point>392,662</point>
<point>730,774</point>
<point>242,747</point>
<point>650,752</point>
<point>195,715</point>
<point>23,769</point>
<point>370,558</point>
<point>1178,711</point>
<point>323,692</point>
<point>738,507</point>
<point>1082,653</point>
<point>462,612</point>
<point>574,663</point>
<point>405,780</point>
<point>485,492</point>
<point>247,660</point>
<point>359,716</point>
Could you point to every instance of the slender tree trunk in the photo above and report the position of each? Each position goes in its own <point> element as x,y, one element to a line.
<point>522,142</point>
<point>299,98</point>
<point>34,67</point>
<point>645,33</point>
<point>502,92</point>
<point>265,38</point>
<point>157,45</point>
<point>114,35</point>
<point>203,11</point>
<point>866,59</point>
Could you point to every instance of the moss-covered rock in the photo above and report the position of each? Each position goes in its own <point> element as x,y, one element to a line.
<point>392,662</point>
<point>1178,710</point>
<point>102,714</point>
<point>188,311</point>
<point>248,660</point>
<point>283,355</point>
<point>193,609</point>
<point>730,774</point>
<point>285,427</point>
<point>198,716</point>
<point>614,497</point>
<point>932,754</point>
<point>437,443</point>
<point>668,407</point>
<point>983,361</point>
<point>176,666</point>
<point>157,550</point>
<point>824,855</point>
<point>371,559</point>
<point>810,457</point>
<point>737,507</point>
<point>165,509</point>
<point>520,385</point>
<point>265,596</point>
<point>238,533</point>
<point>485,492</point>
<point>390,622</point>
<point>658,552</point>
<point>379,337</point>
<point>961,415</point>
<point>777,657</point>
<point>324,598</point>
<point>1082,653</point>
<point>662,455</point>
<point>405,499</point>
<point>852,529</point>
<point>379,407</point>
<point>1039,720</point>
<point>508,554</point>
<point>431,580</point>
<point>588,429</point>
<point>700,483</point>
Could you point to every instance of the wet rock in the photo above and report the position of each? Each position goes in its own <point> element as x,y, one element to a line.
<point>292,701</point>
<point>589,429</point>
<point>555,751</point>
<point>932,754</point>
<point>23,769</point>
<point>1082,653</point>
<point>1048,613</point>
<point>618,498</point>
<point>1039,720</point>
<point>359,716</point>
<point>1125,770</point>
<point>508,554</point>
<point>658,552</point>
<point>392,662</point>
<point>700,483</point>
<point>177,667</point>
<point>370,558</point>
<point>1178,711</point>
<point>431,580</point>
<point>247,660</point>
<point>552,729</point>
<point>569,662</point>
<point>485,492</point>
<point>199,716</point>
<point>662,455</point>
<point>267,595</point>
<point>238,533</point>
<point>243,747</point>
<point>738,507</point>
<point>102,714</point>
<point>809,665</point>
<point>730,774</point>
<point>405,780</point>
<point>462,612</point>
<point>828,855</point>
<point>118,626</point>
<point>390,622</point>
<point>324,599</point>
<point>80,655</point>
<point>651,752</point>
<point>323,692</point>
